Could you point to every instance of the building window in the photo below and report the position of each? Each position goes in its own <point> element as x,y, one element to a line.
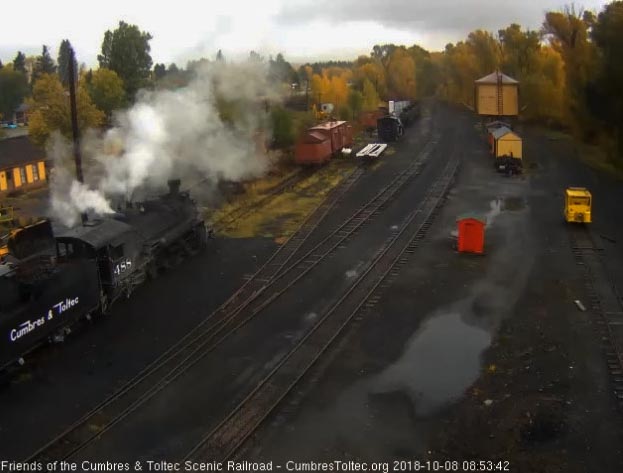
<point>22,175</point>
<point>35,173</point>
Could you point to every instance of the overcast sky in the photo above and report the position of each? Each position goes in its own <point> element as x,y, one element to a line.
<point>301,29</point>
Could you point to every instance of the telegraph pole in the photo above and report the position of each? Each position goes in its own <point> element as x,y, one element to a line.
<point>73,78</point>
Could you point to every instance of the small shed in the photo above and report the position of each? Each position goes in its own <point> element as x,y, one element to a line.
<point>471,234</point>
<point>506,143</point>
<point>22,165</point>
<point>496,95</point>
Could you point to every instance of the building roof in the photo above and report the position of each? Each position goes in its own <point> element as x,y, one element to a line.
<point>493,79</point>
<point>18,151</point>
<point>503,131</point>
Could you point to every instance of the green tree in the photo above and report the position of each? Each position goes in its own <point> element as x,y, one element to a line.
<point>355,102</point>
<point>568,33</point>
<point>281,121</point>
<point>160,70</point>
<point>64,55</point>
<point>19,63</point>
<point>44,64</point>
<point>607,34</point>
<point>13,89</point>
<point>280,70</point>
<point>520,50</point>
<point>50,109</point>
<point>106,90</point>
<point>126,51</point>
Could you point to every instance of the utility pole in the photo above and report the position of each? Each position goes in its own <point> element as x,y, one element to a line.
<point>73,78</point>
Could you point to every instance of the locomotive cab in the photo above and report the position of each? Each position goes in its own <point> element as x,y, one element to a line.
<point>115,248</point>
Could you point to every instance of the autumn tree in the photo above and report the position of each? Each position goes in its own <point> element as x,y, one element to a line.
<point>383,52</point>
<point>486,51</point>
<point>460,68</point>
<point>519,50</point>
<point>401,74</point>
<point>126,51</point>
<point>106,90</point>
<point>568,33</point>
<point>50,109</point>
<point>373,71</point>
<point>13,89</point>
<point>370,97</point>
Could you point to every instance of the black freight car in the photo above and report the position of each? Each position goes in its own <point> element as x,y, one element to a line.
<point>90,266</point>
<point>389,128</point>
<point>410,114</point>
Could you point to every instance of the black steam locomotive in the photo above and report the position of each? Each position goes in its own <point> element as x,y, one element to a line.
<point>56,280</point>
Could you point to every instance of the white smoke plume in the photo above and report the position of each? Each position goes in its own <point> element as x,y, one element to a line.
<point>168,134</point>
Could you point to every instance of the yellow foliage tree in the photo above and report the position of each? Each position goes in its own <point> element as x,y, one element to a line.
<point>401,75</point>
<point>543,92</point>
<point>50,109</point>
<point>375,73</point>
<point>370,97</point>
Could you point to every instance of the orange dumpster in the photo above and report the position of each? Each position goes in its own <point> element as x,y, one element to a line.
<point>471,234</point>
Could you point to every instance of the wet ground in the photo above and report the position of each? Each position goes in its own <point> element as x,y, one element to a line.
<point>467,356</point>
<point>482,357</point>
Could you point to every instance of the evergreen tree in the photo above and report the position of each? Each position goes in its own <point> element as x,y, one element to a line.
<point>19,63</point>
<point>44,64</point>
<point>64,53</point>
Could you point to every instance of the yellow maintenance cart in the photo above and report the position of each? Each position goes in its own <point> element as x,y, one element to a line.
<point>578,201</point>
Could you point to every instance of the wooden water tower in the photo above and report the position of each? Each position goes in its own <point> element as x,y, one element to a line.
<point>496,95</point>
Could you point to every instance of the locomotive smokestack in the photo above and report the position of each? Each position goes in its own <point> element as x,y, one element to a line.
<point>174,186</point>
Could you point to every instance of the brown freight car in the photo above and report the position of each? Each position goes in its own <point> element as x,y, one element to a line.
<point>322,141</point>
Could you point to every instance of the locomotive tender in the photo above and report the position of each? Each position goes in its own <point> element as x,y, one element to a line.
<point>87,268</point>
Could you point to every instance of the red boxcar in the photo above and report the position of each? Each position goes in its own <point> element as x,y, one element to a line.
<point>320,142</point>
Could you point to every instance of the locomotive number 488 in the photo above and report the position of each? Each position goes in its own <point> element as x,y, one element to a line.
<point>122,266</point>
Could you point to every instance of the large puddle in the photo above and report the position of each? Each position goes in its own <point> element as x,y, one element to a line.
<point>440,361</point>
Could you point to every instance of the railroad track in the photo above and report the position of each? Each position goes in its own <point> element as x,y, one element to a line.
<point>229,435</point>
<point>219,325</point>
<point>237,214</point>
<point>605,302</point>
<point>101,418</point>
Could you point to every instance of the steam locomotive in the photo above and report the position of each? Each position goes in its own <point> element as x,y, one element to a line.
<point>57,280</point>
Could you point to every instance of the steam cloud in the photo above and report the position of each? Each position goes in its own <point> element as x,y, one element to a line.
<point>167,134</point>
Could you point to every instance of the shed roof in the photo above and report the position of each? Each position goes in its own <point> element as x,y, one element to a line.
<point>494,77</point>
<point>18,151</point>
<point>503,131</point>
